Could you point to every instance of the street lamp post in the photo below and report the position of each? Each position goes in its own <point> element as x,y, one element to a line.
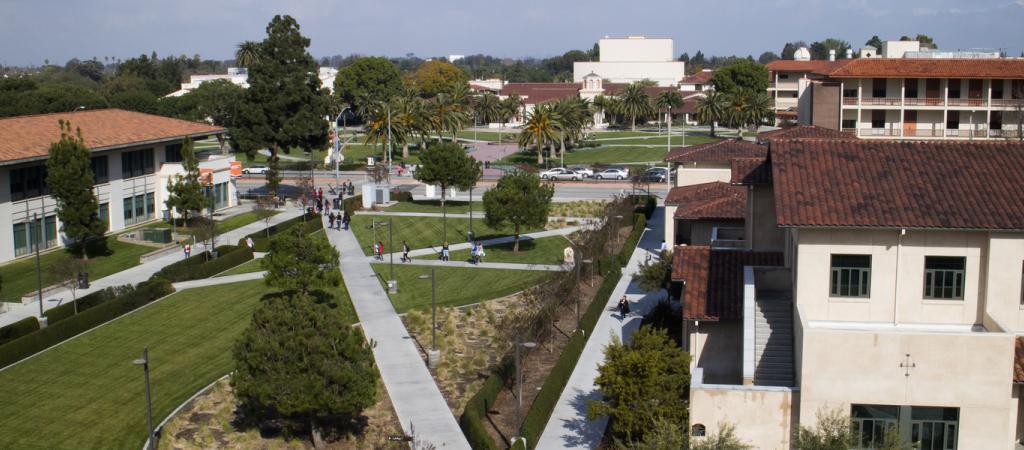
<point>337,140</point>
<point>392,283</point>
<point>519,386</point>
<point>39,271</point>
<point>433,355</point>
<point>144,362</point>
<point>668,149</point>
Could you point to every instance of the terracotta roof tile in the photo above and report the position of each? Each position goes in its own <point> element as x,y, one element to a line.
<point>702,77</point>
<point>652,91</point>
<point>923,184</point>
<point>749,171</point>
<point>537,93</point>
<point>802,131</point>
<point>714,200</point>
<point>26,137</point>
<point>719,151</point>
<point>714,279</point>
<point>929,68</point>
<point>818,66</point>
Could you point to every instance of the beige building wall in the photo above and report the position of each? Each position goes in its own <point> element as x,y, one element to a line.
<point>969,371</point>
<point>763,416</point>
<point>718,350</point>
<point>696,173</point>
<point>1002,282</point>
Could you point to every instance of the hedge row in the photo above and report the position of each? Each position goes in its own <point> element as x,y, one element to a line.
<point>59,313</point>
<point>639,223</point>
<point>261,243</point>
<point>540,411</point>
<point>38,341</point>
<point>18,329</point>
<point>197,267</point>
<point>645,204</point>
<point>473,416</point>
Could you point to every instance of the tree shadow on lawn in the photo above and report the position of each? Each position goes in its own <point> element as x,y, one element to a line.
<point>319,296</point>
<point>94,247</point>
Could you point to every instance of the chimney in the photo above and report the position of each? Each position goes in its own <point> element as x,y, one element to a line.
<point>849,53</point>
<point>832,55</point>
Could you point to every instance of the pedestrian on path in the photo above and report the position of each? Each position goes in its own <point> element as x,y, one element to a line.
<point>249,243</point>
<point>479,252</point>
<point>623,308</point>
<point>472,253</point>
<point>405,252</point>
<point>188,250</point>
<point>444,251</point>
<point>664,247</point>
<point>380,250</point>
<point>345,219</point>
<point>330,220</point>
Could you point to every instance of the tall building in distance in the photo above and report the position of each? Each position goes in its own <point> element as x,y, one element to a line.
<point>634,58</point>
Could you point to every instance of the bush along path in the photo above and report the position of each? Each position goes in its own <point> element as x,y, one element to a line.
<point>418,402</point>
<point>568,426</point>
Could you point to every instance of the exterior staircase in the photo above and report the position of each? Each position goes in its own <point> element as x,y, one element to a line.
<point>773,339</point>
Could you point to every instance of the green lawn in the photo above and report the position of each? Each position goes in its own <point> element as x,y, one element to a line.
<point>86,393</point>
<point>455,285</point>
<point>434,206</point>
<point>246,267</point>
<point>420,232</point>
<point>238,221</point>
<point>531,251</point>
<point>19,277</point>
<point>608,134</point>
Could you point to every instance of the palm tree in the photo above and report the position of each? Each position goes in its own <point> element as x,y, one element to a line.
<point>711,108</point>
<point>248,53</point>
<point>538,128</point>
<point>759,109</point>
<point>635,102</point>
<point>737,112</point>
<point>404,117</point>
<point>487,106</point>
<point>449,115</point>
<point>509,108</point>
<point>378,126</point>
<point>669,100</point>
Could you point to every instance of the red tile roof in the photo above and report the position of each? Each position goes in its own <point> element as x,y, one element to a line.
<point>929,68</point>
<point>748,171</point>
<point>1018,360</point>
<point>719,151</point>
<point>714,200</point>
<point>702,77</point>
<point>537,93</point>
<point>899,184</point>
<point>802,131</point>
<point>27,137</point>
<point>714,279</point>
<point>817,66</point>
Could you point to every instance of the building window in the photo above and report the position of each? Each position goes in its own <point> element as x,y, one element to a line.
<point>849,93</point>
<point>698,430</point>
<point>925,427</point>
<point>220,195</point>
<point>1017,89</point>
<point>100,174</point>
<point>997,88</point>
<point>995,121</point>
<point>934,428</point>
<point>954,88</point>
<point>871,423</point>
<point>783,76</point>
<point>910,88</point>
<point>28,182</point>
<point>104,215</point>
<point>172,153</point>
<point>42,232</point>
<point>878,88</point>
<point>139,208</point>
<point>953,120</point>
<point>851,275</point>
<point>944,277</point>
<point>137,163</point>
<point>878,118</point>
<point>849,123</point>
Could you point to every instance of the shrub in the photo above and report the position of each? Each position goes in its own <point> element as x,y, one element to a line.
<point>352,204</point>
<point>63,330</point>
<point>54,315</point>
<point>540,411</point>
<point>401,196</point>
<point>194,269</point>
<point>18,329</point>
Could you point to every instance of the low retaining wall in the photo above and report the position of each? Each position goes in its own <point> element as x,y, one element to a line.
<point>34,295</point>
<point>159,253</point>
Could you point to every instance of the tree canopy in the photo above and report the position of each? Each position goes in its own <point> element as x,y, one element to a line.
<point>185,193</point>
<point>70,180</point>
<point>301,262</point>
<point>820,49</point>
<point>448,165</point>
<point>519,198</point>
<point>438,77</point>
<point>741,76</point>
<point>299,361</point>
<point>367,80</point>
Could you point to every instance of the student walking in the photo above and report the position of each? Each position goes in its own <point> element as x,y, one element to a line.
<point>405,252</point>
<point>188,250</point>
<point>479,252</point>
<point>330,220</point>
<point>345,219</point>
<point>380,250</point>
<point>472,253</point>
<point>623,308</point>
<point>444,251</point>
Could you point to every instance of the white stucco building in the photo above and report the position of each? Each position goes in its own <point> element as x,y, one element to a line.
<point>634,58</point>
<point>240,77</point>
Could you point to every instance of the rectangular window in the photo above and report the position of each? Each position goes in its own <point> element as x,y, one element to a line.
<point>28,182</point>
<point>871,423</point>
<point>910,88</point>
<point>851,275</point>
<point>934,428</point>
<point>878,87</point>
<point>849,93</point>
<point>1017,89</point>
<point>953,120</point>
<point>944,277</point>
<point>995,121</point>
<point>783,76</point>
<point>954,88</point>
<point>137,163</point>
<point>129,209</point>
<point>172,153</point>
<point>140,207</point>
<point>20,239</point>
<point>931,88</point>
<point>41,232</point>
<point>150,205</point>
<point>877,118</point>
<point>100,174</point>
<point>974,88</point>
<point>104,215</point>
<point>849,123</point>
<point>997,88</point>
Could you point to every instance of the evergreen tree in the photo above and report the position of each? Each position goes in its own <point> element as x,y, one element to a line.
<point>185,193</point>
<point>70,179</point>
<point>519,198</point>
<point>300,262</point>
<point>284,106</point>
<point>301,364</point>
<point>875,42</point>
<point>448,165</point>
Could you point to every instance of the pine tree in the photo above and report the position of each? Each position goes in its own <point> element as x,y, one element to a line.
<point>185,191</point>
<point>300,262</point>
<point>70,179</point>
<point>521,199</point>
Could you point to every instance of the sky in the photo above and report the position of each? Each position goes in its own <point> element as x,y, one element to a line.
<point>32,31</point>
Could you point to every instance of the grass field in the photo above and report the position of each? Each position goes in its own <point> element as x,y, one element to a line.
<point>420,232</point>
<point>86,393</point>
<point>246,267</point>
<point>19,277</point>
<point>434,206</point>
<point>455,285</point>
<point>531,251</point>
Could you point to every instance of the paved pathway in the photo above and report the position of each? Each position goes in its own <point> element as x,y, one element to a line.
<point>483,265</point>
<point>219,280</point>
<point>417,400</point>
<point>568,426</point>
<point>136,274</point>
<point>565,231</point>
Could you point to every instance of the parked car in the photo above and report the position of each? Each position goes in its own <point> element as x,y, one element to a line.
<point>560,173</point>
<point>583,170</point>
<point>654,175</point>
<point>256,170</point>
<point>612,174</point>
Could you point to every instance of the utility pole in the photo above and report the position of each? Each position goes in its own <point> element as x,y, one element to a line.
<point>39,271</point>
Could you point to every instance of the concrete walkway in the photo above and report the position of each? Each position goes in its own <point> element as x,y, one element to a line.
<point>568,427</point>
<point>417,400</point>
<point>565,231</point>
<point>219,280</point>
<point>483,265</point>
<point>136,274</point>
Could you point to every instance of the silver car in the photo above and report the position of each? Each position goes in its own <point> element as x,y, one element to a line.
<point>560,173</point>
<point>612,174</point>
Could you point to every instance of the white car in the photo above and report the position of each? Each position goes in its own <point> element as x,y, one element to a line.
<point>584,171</point>
<point>256,170</point>
<point>612,174</point>
<point>560,173</point>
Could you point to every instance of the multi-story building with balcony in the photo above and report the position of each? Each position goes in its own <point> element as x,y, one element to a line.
<point>882,279</point>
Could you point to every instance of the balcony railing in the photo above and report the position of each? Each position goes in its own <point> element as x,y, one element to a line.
<point>923,101</point>
<point>888,132</point>
<point>1007,134</point>
<point>923,133</point>
<point>850,131</point>
<point>884,101</point>
<point>1007,102</point>
<point>967,133</point>
<point>967,102</point>
<point>849,100</point>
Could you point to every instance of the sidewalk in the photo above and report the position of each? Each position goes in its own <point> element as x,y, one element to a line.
<point>483,265</point>
<point>136,274</point>
<point>565,231</point>
<point>568,426</point>
<point>203,282</point>
<point>417,400</point>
